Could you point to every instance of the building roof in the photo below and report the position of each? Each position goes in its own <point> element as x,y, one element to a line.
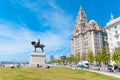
<point>112,22</point>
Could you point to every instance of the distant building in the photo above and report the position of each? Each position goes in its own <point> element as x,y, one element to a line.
<point>63,57</point>
<point>87,35</point>
<point>113,33</point>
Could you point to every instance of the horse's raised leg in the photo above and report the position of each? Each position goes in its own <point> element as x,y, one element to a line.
<point>35,49</point>
<point>42,49</point>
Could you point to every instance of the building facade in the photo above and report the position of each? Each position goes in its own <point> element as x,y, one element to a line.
<point>87,35</point>
<point>113,33</point>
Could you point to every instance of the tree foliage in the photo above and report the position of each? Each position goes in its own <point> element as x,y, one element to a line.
<point>116,55</point>
<point>98,58</point>
<point>105,56</point>
<point>73,58</point>
<point>57,60</point>
<point>83,57</point>
<point>91,57</point>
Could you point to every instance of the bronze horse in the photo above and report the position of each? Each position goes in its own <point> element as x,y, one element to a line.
<point>38,45</point>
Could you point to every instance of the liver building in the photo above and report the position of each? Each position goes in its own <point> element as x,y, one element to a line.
<point>87,35</point>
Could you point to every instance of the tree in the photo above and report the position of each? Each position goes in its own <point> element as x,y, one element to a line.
<point>57,61</point>
<point>91,57</point>
<point>73,58</point>
<point>98,58</point>
<point>76,58</point>
<point>70,59</point>
<point>83,56</point>
<point>105,55</point>
<point>116,55</point>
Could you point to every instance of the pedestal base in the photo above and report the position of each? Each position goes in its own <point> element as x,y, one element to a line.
<point>37,59</point>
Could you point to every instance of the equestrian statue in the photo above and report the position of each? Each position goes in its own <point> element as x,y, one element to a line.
<point>38,45</point>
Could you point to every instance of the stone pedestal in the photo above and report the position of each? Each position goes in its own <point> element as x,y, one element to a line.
<point>37,59</point>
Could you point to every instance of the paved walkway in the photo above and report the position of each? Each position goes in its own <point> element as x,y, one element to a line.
<point>114,74</point>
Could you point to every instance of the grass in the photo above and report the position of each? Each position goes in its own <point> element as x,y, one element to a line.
<point>54,73</point>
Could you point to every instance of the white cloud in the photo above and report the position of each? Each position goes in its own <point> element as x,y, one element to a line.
<point>18,41</point>
<point>60,23</point>
<point>13,40</point>
<point>16,38</point>
<point>51,15</point>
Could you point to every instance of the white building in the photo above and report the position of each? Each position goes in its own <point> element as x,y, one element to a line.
<point>87,35</point>
<point>113,33</point>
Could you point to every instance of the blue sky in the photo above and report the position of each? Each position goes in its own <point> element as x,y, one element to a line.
<point>52,21</point>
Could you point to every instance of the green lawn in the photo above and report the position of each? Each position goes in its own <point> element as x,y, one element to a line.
<point>54,73</point>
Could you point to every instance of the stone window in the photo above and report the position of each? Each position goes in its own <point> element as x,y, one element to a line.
<point>115,27</point>
<point>117,36</point>
<point>116,32</point>
<point>118,43</point>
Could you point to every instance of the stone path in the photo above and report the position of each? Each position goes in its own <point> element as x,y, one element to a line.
<point>114,74</point>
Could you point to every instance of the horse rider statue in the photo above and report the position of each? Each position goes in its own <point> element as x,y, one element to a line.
<point>38,45</point>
